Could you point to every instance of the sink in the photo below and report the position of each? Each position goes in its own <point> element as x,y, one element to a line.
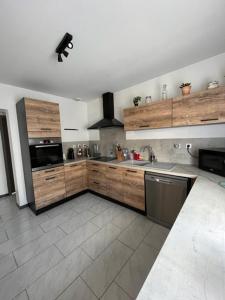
<point>134,162</point>
<point>160,165</point>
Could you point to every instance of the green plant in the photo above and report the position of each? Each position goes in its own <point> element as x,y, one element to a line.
<point>136,100</point>
<point>185,84</point>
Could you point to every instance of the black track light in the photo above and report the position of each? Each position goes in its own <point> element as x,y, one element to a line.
<point>65,43</point>
<point>60,58</point>
<point>65,53</point>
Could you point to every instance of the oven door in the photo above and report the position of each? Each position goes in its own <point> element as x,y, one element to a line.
<point>44,156</point>
<point>212,161</point>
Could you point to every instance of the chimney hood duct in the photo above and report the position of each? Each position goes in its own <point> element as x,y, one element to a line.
<point>108,113</point>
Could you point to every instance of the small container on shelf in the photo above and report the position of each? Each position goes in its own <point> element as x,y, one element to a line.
<point>148,99</point>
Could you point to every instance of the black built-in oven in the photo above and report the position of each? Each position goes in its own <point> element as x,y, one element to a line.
<point>212,160</point>
<point>45,153</point>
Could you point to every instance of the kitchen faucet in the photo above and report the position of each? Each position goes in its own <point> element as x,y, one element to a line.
<point>151,154</point>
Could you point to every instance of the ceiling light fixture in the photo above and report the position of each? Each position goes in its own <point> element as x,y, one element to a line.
<point>65,43</point>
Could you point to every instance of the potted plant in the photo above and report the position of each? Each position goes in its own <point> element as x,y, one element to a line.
<point>136,100</point>
<point>186,88</point>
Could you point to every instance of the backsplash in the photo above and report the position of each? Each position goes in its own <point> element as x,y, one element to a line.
<point>164,149</point>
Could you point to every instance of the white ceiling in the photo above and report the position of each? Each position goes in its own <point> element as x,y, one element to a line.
<point>117,43</point>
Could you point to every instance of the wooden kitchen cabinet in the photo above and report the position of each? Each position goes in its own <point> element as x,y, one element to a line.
<point>114,182</point>
<point>97,177</point>
<point>133,188</point>
<point>155,115</point>
<point>206,107</point>
<point>49,186</point>
<point>75,178</point>
<point>43,118</point>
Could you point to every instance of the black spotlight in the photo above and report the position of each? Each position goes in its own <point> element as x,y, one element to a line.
<point>65,43</point>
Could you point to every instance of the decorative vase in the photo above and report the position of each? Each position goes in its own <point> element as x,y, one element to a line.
<point>186,90</point>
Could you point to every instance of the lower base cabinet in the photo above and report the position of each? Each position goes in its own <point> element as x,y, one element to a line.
<point>118,183</point>
<point>75,178</point>
<point>49,186</point>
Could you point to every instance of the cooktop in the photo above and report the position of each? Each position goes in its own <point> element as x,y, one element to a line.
<point>104,158</point>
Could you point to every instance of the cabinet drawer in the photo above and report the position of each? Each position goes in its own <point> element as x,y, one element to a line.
<point>98,186</point>
<point>49,189</point>
<point>48,172</point>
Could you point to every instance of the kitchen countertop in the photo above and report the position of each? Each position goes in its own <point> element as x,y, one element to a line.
<point>191,263</point>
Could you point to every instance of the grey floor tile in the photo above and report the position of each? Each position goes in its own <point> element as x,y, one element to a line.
<point>54,212</point>
<point>35,247</point>
<point>55,281</point>
<point>134,273</point>
<point>57,220</point>
<point>78,290</point>
<point>3,236</point>
<point>100,207</point>
<point>135,232</point>
<point>26,237</point>
<point>85,204</point>
<point>16,281</point>
<point>18,227</point>
<point>107,216</point>
<point>114,292</point>
<point>100,240</point>
<point>157,236</point>
<point>7,265</point>
<point>21,296</point>
<point>123,220</point>
<point>77,221</point>
<point>74,239</point>
<point>101,273</point>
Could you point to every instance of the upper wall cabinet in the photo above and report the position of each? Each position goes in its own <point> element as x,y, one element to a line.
<point>43,119</point>
<point>155,115</point>
<point>206,107</point>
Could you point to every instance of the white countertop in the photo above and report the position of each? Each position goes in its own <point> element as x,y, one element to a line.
<point>191,263</point>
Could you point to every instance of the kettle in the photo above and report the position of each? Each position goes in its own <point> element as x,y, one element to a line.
<point>70,153</point>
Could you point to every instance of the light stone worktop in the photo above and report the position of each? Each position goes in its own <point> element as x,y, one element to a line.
<point>191,264</point>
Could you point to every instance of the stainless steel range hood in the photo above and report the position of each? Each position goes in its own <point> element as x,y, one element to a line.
<point>108,113</point>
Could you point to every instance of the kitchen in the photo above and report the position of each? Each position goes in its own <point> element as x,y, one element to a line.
<point>125,178</point>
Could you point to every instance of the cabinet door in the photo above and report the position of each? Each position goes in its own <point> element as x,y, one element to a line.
<point>206,107</point>
<point>43,119</point>
<point>96,178</point>
<point>114,182</point>
<point>49,186</point>
<point>75,178</point>
<point>155,115</point>
<point>134,194</point>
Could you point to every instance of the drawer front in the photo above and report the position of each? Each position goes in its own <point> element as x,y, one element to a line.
<point>75,178</point>
<point>49,189</point>
<point>134,194</point>
<point>114,182</point>
<point>98,186</point>
<point>48,172</point>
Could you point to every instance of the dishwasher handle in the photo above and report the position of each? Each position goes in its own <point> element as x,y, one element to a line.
<point>159,179</point>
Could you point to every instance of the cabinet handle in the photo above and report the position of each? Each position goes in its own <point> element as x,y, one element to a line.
<point>96,182</point>
<point>95,171</point>
<point>50,171</point>
<point>114,168</point>
<point>143,126</point>
<point>212,119</point>
<point>49,178</point>
<point>73,166</point>
<point>131,171</point>
<point>48,129</point>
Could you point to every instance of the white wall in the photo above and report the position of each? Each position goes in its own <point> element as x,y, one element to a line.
<point>3,181</point>
<point>73,114</point>
<point>199,74</point>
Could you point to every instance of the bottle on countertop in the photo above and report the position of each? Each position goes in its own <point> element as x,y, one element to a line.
<point>79,151</point>
<point>164,92</point>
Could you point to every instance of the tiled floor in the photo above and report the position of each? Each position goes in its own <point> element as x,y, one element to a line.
<point>88,248</point>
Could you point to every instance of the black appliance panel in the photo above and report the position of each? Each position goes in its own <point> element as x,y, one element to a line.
<point>212,160</point>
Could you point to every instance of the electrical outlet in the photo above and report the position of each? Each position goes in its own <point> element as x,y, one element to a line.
<point>177,146</point>
<point>188,146</point>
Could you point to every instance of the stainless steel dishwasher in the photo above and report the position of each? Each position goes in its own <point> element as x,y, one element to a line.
<point>165,196</point>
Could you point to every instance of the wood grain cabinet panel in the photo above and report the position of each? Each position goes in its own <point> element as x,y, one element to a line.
<point>97,177</point>
<point>43,118</point>
<point>114,182</point>
<point>75,178</point>
<point>49,186</point>
<point>206,107</point>
<point>155,115</point>
<point>133,188</point>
